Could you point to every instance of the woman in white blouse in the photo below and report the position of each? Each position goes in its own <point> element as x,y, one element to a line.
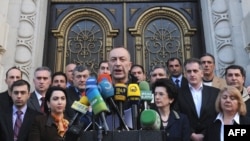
<point>231,111</point>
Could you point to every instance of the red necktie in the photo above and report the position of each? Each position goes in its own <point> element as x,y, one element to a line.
<point>18,124</point>
<point>83,94</point>
<point>42,104</point>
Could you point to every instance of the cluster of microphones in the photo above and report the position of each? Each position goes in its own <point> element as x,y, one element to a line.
<point>104,98</point>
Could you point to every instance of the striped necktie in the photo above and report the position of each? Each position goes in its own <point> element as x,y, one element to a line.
<point>18,124</point>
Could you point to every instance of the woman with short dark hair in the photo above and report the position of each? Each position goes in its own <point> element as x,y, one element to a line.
<point>175,124</point>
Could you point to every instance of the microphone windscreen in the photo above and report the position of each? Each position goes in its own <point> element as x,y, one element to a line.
<point>96,101</point>
<point>120,92</point>
<point>91,83</point>
<point>144,86</point>
<point>106,88</point>
<point>102,76</point>
<point>133,92</point>
<point>84,100</point>
<point>78,106</point>
<point>146,94</point>
<point>150,120</point>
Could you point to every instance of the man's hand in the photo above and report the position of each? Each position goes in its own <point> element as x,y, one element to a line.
<point>197,137</point>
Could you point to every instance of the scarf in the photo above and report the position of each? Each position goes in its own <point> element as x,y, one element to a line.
<point>61,123</point>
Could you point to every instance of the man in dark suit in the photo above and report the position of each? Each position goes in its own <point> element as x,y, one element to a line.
<point>77,90</point>
<point>9,129</point>
<point>197,101</point>
<point>42,81</point>
<point>13,74</point>
<point>174,66</point>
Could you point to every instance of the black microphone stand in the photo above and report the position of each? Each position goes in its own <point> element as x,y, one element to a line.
<point>134,116</point>
<point>99,133</point>
<point>119,113</point>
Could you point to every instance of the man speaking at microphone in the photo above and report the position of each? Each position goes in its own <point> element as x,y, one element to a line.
<point>119,65</point>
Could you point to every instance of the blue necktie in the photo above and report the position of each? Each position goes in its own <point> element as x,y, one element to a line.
<point>177,83</point>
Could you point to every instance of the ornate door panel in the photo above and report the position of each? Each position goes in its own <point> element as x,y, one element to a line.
<point>153,31</point>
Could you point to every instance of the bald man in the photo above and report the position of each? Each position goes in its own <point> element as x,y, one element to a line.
<point>119,65</point>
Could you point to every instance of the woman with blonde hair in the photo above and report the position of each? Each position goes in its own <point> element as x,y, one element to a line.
<point>231,111</point>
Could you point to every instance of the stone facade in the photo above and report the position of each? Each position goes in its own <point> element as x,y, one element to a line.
<point>22,25</point>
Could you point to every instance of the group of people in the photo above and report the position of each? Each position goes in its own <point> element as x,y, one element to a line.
<point>192,102</point>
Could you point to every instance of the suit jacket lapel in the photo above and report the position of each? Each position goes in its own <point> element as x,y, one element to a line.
<point>34,102</point>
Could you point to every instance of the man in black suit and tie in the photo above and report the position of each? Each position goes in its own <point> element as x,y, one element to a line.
<point>197,101</point>
<point>174,66</point>
<point>16,119</point>
<point>42,81</point>
<point>13,74</point>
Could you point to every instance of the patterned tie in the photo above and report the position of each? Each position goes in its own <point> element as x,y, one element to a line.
<point>42,104</point>
<point>177,83</point>
<point>18,124</point>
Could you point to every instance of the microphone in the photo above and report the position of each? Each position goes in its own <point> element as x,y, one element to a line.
<point>107,92</point>
<point>96,101</point>
<point>133,94</point>
<point>120,95</point>
<point>150,120</point>
<point>146,94</point>
<point>102,76</point>
<point>81,108</point>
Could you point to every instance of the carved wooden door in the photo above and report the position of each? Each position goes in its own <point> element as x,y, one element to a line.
<point>84,31</point>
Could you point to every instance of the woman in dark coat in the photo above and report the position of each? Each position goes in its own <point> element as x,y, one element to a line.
<point>175,125</point>
<point>53,125</point>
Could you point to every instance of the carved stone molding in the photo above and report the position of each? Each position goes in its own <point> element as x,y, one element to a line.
<point>221,24</point>
<point>25,37</point>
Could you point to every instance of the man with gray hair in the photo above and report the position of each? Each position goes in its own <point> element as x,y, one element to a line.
<point>42,81</point>
<point>77,90</point>
<point>158,72</point>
